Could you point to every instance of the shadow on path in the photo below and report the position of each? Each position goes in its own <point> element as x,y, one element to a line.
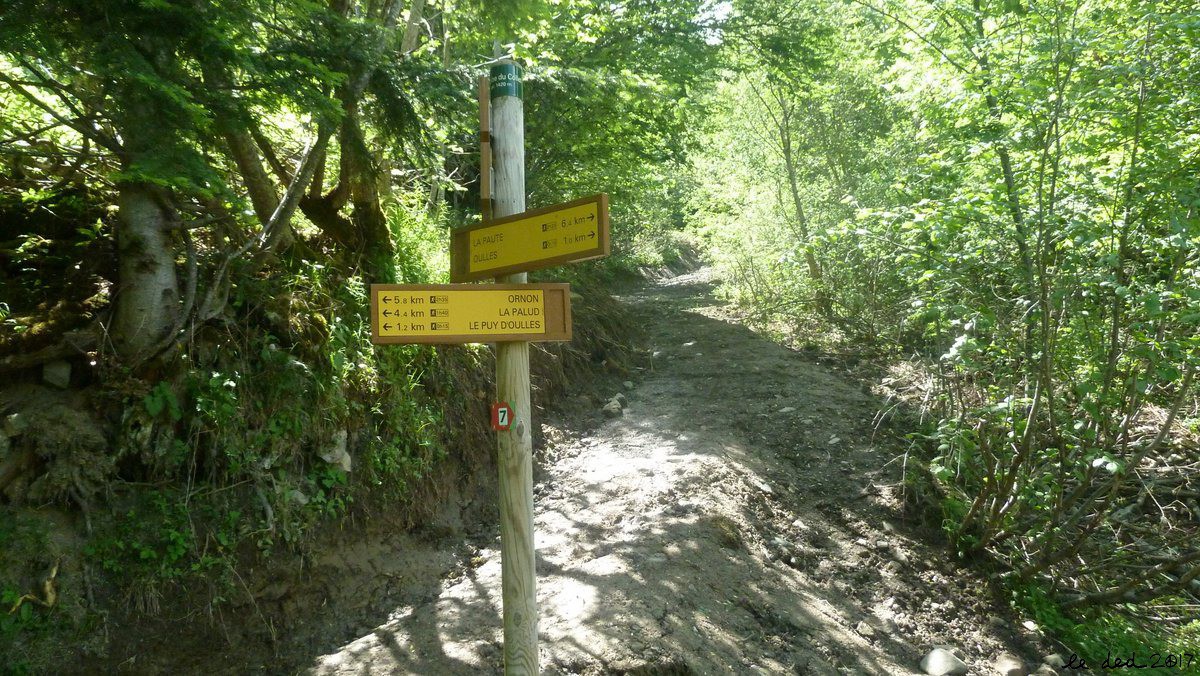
<point>741,516</point>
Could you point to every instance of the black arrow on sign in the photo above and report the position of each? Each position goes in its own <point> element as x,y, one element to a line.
<point>387,313</point>
<point>592,234</point>
<point>387,327</point>
<point>386,300</point>
<point>591,217</point>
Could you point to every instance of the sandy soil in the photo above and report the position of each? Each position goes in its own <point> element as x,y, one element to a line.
<point>742,516</point>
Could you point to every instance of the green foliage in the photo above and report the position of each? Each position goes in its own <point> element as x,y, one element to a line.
<point>1008,197</point>
<point>157,539</point>
<point>34,638</point>
<point>1104,632</point>
<point>161,399</point>
<point>29,621</point>
<point>260,424</point>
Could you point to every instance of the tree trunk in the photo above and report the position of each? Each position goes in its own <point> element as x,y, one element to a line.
<point>147,298</point>
<point>377,250</point>
<point>810,259</point>
<point>412,29</point>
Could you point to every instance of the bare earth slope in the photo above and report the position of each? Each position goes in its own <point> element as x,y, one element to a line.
<point>742,516</point>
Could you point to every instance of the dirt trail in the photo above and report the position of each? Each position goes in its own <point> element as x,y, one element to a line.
<point>742,516</point>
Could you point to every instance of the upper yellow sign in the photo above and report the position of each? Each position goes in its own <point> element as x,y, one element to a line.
<point>532,240</point>
<point>469,313</point>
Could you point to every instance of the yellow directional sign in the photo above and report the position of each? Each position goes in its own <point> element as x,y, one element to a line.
<point>469,313</point>
<point>536,239</point>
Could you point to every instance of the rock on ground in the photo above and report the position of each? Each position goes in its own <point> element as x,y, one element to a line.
<point>612,409</point>
<point>942,662</point>
<point>57,373</point>
<point>1008,664</point>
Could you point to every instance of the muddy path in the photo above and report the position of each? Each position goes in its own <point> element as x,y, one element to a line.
<point>742,516</point>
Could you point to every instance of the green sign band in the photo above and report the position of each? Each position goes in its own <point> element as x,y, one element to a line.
<point>505,79</point>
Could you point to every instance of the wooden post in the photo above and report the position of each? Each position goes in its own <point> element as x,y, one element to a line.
<point>512,386</point>
<point>485,150</point>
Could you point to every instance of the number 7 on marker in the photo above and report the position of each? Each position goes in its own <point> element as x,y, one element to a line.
<point>501,416</point>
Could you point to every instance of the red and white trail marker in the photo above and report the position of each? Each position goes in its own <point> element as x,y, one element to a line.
<point>502,416</point>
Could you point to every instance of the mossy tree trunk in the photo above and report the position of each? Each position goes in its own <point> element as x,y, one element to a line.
<point>147,296</point>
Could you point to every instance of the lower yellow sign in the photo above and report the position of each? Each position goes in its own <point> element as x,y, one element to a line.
<point>469,313</point>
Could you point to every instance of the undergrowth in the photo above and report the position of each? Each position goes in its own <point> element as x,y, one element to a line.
<point>1107,636</point>
<point>272,424</point>
<point>951,418</point>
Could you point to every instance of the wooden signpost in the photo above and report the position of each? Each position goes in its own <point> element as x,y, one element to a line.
<point>575,231</point>
<point>469,313</point>
<point>510,313</point>
<point>514,457</point>
<point>485,151</point>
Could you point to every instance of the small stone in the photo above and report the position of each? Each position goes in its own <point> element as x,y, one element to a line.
<point>953,649</point>
<point>1008,664</point>
<point>833,441</point>
<point>337,454</point>
<point>621,399</point>
<point>787,409</point>
<point>865,630</point>
<point>1045,670</point>
<point>689,343</point>
<point>761,485</point>
<point>57,373</point>
<point>942,662</point>
<point>898,554</point>
<point>612,409</point>
<point>1031,627</point>
<point>15,424</point>
<point>628,384</point>
<point>997,623</point>
<point>1055,660</point>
